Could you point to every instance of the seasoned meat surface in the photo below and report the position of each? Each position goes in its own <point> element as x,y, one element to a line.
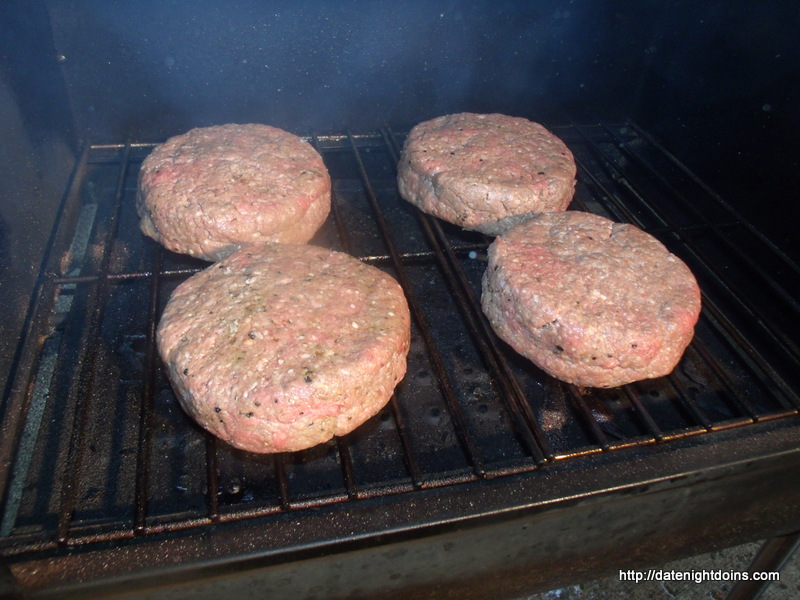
<point>485,172</point>
<point>214,189</point>
<point>590,301</point>
<point>280,347</point>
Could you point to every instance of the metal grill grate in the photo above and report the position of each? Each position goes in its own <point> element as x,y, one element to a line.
<point>100,451</point>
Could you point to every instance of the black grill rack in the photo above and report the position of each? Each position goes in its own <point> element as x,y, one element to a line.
<point>97,454</point>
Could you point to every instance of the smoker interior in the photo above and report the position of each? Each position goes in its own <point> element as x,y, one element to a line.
<point>106,460</point>
<point>483,477</point>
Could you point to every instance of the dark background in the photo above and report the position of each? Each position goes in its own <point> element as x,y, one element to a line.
<point>718,83</point>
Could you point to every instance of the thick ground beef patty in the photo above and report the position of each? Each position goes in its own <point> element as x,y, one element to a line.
<point>212,190</point>
<point>485,172</point>
<point>592,302</point>
<point>280,347</point>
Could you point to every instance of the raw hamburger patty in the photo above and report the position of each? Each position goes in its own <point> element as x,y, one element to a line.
<point>592,302</point>
<point>281,347</point>
<point>213,189</point>
<point>485,172</point>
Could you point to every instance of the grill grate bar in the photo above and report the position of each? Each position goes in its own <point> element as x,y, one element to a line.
<point>212,477</point>
<point>81,388</point>
<point>589,419</point>
<point>788,347</point>
<point>706,302</point>
<point>25,362</point>
<point>346,461</point>
<point>462,431</point>
<point>154,508</point>
<point>119,277</point>
<point>146,410</point>
<point>345,458</point>
<point>717,198</point>
<point>741,346</point>
<point>710,265</point>
<point>335,210</point>
<point>700,417</point>
<point>759,364</point>
<point>524,418</point>
<point>644,414</point>
<point>283,481</point>
<point>741,402</point>
<point>685,398</point>
<point>641,410</point>
<point>400,426</point>
<point>743,257</point>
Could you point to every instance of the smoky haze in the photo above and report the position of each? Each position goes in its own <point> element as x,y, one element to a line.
<point>166,66</point>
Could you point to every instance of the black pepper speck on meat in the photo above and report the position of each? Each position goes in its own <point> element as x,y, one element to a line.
<point>485,172</point>
<point>280,347</point>
<point>590,301</point>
